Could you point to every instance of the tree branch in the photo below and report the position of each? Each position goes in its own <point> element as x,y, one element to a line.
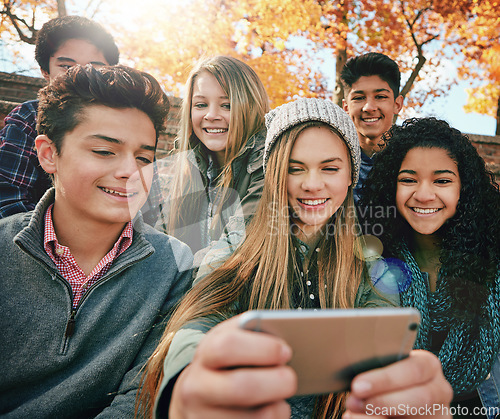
<point>409,83</point>
<point>15,20</point>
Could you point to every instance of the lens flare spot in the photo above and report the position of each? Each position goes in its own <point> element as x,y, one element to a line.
<point>390,276</point>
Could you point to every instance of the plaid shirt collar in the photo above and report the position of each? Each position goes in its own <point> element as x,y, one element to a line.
<point>57,251</point>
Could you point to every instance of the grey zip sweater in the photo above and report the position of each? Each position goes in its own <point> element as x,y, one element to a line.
<point>57,362</point>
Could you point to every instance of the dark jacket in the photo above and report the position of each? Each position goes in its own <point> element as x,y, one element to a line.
<point>60,363</point>
<point>197,229</point>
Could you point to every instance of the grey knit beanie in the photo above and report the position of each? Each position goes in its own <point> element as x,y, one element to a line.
<point>293,113</point>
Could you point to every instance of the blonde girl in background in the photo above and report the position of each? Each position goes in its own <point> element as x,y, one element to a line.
<point>218,168</point>
<point>301,251</point>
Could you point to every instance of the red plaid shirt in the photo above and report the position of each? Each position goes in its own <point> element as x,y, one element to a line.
<point>66,263</point>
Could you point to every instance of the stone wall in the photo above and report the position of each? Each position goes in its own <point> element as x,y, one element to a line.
<point>15,89</point>
<point>489,149</point>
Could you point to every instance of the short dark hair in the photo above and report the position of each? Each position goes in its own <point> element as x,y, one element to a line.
<point>371,64</point>
<point>57,31</point>
<point>62,102</point>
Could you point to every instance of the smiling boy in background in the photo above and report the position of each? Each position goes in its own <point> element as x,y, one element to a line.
<point>371,84</point>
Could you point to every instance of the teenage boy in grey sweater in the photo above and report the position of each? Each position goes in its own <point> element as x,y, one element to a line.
<point>86,285</point>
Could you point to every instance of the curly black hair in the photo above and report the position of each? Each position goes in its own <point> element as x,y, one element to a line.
<point>471,238</point>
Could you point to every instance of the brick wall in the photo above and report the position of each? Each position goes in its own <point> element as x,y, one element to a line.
<point>16,89</point>
<point>489,149</point>
<point>166,139</point>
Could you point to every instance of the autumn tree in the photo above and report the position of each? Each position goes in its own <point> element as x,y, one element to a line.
<point>461,30</point>
<point>421,35</point>
<point>480,41</point>
<point>485,99</point>
<point>197,28</point>
<point>21,18</point>
<point>285,40</point>
<point>20,21</point>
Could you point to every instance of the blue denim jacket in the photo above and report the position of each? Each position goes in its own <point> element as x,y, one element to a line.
<point>489,391</point>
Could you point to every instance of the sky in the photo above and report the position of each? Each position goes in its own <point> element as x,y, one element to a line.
<point>450,108</point>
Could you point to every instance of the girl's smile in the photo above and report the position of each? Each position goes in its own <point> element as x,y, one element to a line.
<point>211,114</point>
<point>319,175</point>
<point>313,203</point>
<point>426,210</point>
<point>428,189</point>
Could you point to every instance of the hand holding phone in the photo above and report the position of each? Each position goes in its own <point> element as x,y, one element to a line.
<point>227,355</point>
<point>330,347</point>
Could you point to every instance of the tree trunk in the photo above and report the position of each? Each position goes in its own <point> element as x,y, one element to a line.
<point>61,8</point>
<point>338,93</point>
<point>341,56</point>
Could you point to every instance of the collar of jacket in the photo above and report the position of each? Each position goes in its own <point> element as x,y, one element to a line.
<point>30,238</point>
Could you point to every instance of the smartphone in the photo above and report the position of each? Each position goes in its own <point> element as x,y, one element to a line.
<point>330,347</point>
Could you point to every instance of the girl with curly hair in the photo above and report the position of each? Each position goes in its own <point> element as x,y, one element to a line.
<point>301,251</point>
<point>446,230</point>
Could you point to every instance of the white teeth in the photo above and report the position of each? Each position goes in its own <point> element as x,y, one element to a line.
<point>215,131</point>
<point>113,192</point>
<point>425,210</point>
<point>313,202</point>
<point>370,119</point>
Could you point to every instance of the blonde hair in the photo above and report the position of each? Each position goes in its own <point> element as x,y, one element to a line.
<point>249,104</point>
<point>260,274</point>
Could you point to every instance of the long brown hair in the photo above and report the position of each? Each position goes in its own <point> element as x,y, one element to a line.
<point>249,104</point>
<point>264,266</point>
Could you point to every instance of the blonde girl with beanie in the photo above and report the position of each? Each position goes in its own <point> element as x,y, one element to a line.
<point>301,251</point>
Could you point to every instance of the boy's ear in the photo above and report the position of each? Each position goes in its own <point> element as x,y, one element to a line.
<point>345,106</point>
<point>398,104</point>
<point>46,151</point>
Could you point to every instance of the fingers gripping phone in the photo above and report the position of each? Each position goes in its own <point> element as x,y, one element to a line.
<point>330,347</point>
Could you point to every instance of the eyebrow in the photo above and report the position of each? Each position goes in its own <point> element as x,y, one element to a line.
<point>117,141</point>
<point>203,97</point>
<point>436,172</point>
<point>376,90</point>
<point>67,59</point>
<point>324,161</point>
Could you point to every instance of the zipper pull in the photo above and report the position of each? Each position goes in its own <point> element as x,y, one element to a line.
<point>70,327</point>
